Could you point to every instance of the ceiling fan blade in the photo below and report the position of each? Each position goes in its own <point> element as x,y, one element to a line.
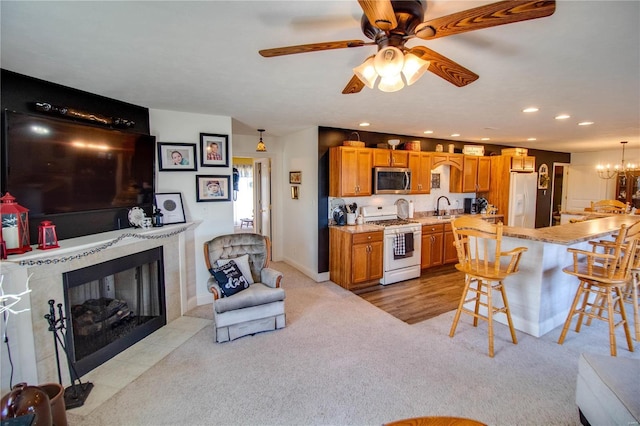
<point>490,15</point>
<point>355,85</point>
<point>314,47</point>
<point>444,67</point>
<point>379,13</point>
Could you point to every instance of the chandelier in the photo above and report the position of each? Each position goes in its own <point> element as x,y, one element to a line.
<point>607,172</point>
<point>391,65</point>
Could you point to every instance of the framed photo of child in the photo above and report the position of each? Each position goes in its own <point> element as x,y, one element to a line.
<point>213,188</point>
<point>214,150</point>
<point>174,157</point>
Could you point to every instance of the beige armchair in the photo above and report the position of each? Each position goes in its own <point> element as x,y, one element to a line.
<point>260,307</point>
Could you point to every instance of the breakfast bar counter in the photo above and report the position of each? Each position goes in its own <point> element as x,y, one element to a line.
<point>540,294</point>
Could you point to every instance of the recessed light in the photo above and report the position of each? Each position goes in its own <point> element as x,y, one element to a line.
<point>531,139</point>
<point>364,124</point>
<point>562,116</point>
<point>455,135</point>
<point>530,109</point>
<point>428,132</point>
<point>485,139</point>
<point>585,123</point>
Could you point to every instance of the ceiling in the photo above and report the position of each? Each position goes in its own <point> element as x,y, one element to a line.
<point>202,57</point>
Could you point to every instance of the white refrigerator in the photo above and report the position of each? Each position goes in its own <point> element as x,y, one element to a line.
<point>523,189</point>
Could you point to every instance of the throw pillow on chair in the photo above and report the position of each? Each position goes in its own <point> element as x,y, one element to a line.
<point>230,279</point>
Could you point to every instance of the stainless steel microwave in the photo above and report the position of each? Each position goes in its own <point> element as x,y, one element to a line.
<point>391,180</point>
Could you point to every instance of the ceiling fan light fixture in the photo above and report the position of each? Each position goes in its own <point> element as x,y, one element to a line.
<point>391,84</point>
<point>366,72</point>
<point>413,68</point>
<point>388,61</point>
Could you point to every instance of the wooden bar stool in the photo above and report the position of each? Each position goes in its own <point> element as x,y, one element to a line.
<point>479,255</point>
<point>603,273</point>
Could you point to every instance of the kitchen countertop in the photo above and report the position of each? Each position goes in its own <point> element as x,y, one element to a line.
<point>572,233</point>
<point>422,220</point>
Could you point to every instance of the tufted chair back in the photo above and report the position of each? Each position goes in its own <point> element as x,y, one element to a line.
<point>230,246</point>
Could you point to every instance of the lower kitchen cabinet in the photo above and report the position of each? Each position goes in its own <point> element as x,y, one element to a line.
<point>432,245</point>
<point>355,259</point>
<point>437,245</point>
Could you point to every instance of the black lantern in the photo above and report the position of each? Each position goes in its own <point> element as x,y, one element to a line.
<point>15,225</point>
<point>157,218</point>
<point>47,238</point>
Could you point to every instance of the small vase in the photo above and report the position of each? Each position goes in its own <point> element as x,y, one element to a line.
<point>24,399</point>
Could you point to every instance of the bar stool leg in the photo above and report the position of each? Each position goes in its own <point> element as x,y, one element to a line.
<point>634,304</point>
<point>572,311</point>
<point>490,317</point>
<point>479,285</point>
<point>508,312</point>
<point>623,314</point>
<point>612,325</point>
<point>467,283</point>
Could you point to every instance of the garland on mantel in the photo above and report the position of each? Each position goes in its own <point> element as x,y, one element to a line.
<point>53,261</point>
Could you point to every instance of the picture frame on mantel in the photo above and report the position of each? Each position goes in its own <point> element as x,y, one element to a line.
<point>214,150</point>
<point>171,207</point>
<point>176,157</point>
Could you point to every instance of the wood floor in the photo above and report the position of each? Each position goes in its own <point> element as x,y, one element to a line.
<point>438,290</point>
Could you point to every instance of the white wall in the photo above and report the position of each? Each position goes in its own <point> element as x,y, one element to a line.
<point>216,217</point>
<point>301,215</point>
<point>584,185</point>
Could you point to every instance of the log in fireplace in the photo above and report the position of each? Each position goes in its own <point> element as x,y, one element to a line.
<point>111,306</point>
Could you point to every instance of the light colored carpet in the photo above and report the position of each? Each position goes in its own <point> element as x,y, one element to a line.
<point>342,361</point>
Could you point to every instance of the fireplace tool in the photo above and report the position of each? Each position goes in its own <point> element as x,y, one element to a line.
<point>76,394</point>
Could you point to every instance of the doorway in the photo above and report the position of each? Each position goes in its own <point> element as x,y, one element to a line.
<point>252,195</point>
<point>559,180</point>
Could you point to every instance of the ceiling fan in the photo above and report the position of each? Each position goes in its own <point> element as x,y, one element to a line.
<point>390,24</point>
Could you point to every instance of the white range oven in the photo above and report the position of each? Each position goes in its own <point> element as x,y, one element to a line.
<point>402,244</point>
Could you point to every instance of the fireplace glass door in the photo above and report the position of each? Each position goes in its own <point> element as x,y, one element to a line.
<point>112,305</point>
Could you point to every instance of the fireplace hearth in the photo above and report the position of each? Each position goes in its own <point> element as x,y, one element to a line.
<point>112,305</point>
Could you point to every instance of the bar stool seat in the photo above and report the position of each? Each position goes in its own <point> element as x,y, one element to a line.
<point>481,259</point>
<point>603,273</point>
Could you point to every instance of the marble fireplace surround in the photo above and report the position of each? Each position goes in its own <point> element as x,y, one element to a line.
<point>31,343</point>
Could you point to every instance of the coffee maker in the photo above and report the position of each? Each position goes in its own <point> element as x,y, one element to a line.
<point>470,206</point>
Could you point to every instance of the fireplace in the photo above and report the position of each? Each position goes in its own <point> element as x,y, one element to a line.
<point>112,305</point>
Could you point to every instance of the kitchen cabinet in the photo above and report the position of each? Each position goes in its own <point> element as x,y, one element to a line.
<point>420,165</point>
<point>355,259</point>
<point>474,176</point>
<point>390,158</point>
<point>523,163</point>
<point>450,252</point>
<point>432,246</point>
<point>628,188</point>
<point>443,158</point>
<point>349,171</point>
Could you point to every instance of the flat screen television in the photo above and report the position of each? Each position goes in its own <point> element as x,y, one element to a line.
<point>83,177</point>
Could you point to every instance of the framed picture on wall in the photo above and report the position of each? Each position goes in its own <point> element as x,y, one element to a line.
<point>213,188</point>
<point>214,150</point>
<point>295,177</point>
<point>170,205</point>
<point>174,157</point>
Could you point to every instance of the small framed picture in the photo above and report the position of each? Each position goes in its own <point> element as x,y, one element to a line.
<point>295,177</point>
<point>174,157</point>
<point>213,188</point>
<point>435,180</point>
<point>214,150</point>
<point>170,205</point>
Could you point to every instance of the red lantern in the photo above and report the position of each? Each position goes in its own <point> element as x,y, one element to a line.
<point>47,238</point>
<point>15,225</point>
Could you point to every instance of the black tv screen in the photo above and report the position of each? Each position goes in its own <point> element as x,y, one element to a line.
<point>55,167</point>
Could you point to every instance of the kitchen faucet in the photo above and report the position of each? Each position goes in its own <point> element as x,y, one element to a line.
<point>438,204</point>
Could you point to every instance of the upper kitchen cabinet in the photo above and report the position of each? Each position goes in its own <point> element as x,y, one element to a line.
<point>522,163</point>
<point>420,165</point>
<point>474,176</point>
<point>390,158</point>
<point>349,171</point>
<point>443,158</point>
